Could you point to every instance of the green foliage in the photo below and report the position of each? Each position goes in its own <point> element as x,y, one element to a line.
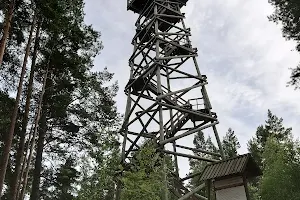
<point>230,144</point>
<point>253,191</point>
<point>282,171</point>
<point>205,144</point>
<point>6,107</point>
<point>197,165</point>
<point>20,24</point>
<point>78,107</point>
<point>66,177</point>
<point>273,128</point>
<point>144,181</point>
<point>287,12</point>
<point>98,182</point>
<point>77,131</point>
<point>61,182</point>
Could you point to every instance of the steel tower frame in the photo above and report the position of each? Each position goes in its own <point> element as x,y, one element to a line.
<point>167,100</point>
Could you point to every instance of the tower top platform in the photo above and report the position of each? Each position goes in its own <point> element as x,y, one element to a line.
<point>138,6</point>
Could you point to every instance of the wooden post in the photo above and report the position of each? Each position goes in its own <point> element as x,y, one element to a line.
<point>208,189</point>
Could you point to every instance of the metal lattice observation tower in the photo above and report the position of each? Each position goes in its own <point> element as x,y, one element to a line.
<point>167,98</point>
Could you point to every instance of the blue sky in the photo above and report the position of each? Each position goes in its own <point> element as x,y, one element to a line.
<point>244,55</point>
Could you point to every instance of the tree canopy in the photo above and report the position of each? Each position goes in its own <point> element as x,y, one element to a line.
<point>287,13</point>
<point>281,170</point>
<point>277,155</point>
<point>66,117</point>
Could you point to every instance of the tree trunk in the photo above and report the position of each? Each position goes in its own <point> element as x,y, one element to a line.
<point>8,142</point>
<point>24,161</point>
<point>32,143</point>
<point>5,34</point>
<point>35,190</point>
<point>20,152</point>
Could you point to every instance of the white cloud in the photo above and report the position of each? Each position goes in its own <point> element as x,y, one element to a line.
<point>243,54</point>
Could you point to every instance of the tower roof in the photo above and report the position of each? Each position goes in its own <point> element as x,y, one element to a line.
<point>237,166</point>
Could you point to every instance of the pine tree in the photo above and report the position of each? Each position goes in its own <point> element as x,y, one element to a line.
<point>68,35</point>
<point>287,13</point>
<point>199,143</point>
<point>18,24</point>
<point>230,144</point>
<point>8,141</point>
<point>197,166</point>
<point>6,107</point>
<point>273,128</point>
<point>78,114</point>
<point>31,142</point>
<point>144,179</point>
<point>100,183</point>
<point>65,180</point>
<point>9,12</point>
<point>6,110</point>
<point>281,175</point>
<point>21,148</point>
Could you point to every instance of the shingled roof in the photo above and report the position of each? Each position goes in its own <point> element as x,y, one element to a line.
<point>240,165</point>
